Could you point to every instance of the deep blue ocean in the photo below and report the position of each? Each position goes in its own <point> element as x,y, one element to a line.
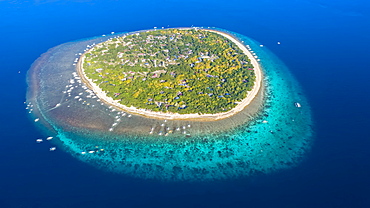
<point>325,44</point>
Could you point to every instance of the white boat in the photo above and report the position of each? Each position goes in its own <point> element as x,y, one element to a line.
<point>49,138</point>
<point>38,140</point>
<point>51,149</point>
<point>298,105</point>
<point>37,119</point>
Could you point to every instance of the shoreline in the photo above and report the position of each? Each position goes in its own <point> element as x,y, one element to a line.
<point>176,116</point>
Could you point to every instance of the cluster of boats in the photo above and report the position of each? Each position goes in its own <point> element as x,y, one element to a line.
<point>51,149</point>
<point>166,131</point>
<point>29,107</point>
<point>97,149</point>
<point>118,117</point>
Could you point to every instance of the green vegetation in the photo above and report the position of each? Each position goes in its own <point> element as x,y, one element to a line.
<point>173,70</point>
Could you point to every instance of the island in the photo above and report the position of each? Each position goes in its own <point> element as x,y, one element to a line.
<point>184,74</point>
<point>86,114</point>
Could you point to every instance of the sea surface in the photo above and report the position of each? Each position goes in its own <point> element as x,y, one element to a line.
<point>324,44</point>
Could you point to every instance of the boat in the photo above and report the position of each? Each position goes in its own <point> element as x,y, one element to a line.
<point>298,105</point>
<point>49,138</point>
<point>37,119</point>
<point>39,140</point>
<point>51,149</point>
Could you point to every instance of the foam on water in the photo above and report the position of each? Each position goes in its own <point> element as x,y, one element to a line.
<point>276,138</point>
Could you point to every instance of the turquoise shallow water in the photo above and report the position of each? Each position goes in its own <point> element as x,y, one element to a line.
<point>278,137</point>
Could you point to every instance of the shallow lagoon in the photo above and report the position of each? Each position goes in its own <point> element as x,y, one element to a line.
<point>273,136</point>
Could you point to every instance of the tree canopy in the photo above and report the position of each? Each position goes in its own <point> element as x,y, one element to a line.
<point>174,70</point>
